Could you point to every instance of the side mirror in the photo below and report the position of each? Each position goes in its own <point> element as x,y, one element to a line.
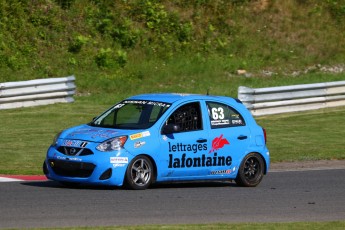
<point>171,128</point>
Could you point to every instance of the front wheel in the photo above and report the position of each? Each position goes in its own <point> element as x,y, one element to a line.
<point>251,171</point>
<point>139,173</point>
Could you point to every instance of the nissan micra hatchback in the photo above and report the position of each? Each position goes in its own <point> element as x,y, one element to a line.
<point>160,138</point>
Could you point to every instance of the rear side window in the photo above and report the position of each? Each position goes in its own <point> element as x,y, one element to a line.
<point>222,116</point>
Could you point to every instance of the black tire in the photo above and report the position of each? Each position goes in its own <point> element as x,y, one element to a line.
<point>139,174</point>
<point>45,168</point>
<point>251,170</point>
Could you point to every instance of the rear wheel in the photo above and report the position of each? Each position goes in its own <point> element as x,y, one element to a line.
<point>139,174</point>
<point>251,171</point>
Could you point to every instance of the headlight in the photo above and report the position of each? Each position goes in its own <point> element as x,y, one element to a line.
<point>56,138</point>
<point>112,144</point>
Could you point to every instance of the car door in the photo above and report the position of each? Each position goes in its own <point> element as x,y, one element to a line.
<point>182,149</point>
<point>229,137</point>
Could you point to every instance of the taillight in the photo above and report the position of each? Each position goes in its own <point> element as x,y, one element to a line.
<point>265,136</point>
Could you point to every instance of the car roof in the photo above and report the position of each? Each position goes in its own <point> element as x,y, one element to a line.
<point>174,97</point>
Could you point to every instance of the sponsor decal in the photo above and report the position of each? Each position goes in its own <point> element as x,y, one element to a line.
<point>118,106</point>
<point>203,160</point>
<point>139,135</point>
<point>179,147</point>
<point>60,158</point>
<point>119,160</point>
<point>139,144</point>
<point>220,122</point>
<point>94,133</point>
<point>118,165</point>
<point>68,158</point>
<point>236,116</point>
<point>155,103</point>
<point>219,143</point>
<point>136,136</point>
<point>74,143</point>
<point>217,172</point>
<point>237,122</point>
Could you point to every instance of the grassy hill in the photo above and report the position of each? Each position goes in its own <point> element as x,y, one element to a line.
<point>124,47</point>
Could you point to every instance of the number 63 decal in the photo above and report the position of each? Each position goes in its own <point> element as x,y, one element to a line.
<point>218,113</point>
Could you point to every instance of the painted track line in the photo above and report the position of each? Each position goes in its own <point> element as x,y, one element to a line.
<point>13,178</point>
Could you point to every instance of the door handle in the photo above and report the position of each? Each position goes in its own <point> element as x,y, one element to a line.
<point>201,141</point>
<point>242,137</point>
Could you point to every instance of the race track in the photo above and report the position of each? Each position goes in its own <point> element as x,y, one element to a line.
<point>281,197</point>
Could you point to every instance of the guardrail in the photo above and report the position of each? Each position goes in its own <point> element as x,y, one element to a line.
<point>284,99</point>
<point>37,92</point>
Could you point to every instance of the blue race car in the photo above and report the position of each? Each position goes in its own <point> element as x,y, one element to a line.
<point>159,138</point>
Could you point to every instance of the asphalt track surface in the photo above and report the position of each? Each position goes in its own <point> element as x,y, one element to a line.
<point>288,196</point>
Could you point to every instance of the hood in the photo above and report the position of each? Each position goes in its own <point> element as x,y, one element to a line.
<point>93,134</point>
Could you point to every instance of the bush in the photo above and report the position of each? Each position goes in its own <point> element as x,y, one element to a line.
<point>107,58</point>
<point>77,43</point>
<point>337,9</point>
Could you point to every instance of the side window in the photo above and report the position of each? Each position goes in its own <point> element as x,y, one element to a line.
<point>188,117</point>
<point>222,116</point>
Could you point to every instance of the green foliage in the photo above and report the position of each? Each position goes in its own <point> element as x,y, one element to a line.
<point>78,42</point>
<point>121,58</point>
<point>96,37</point>
<point>107,58</point>
<point>125,35</point>
<point>337,9</point>
<point>185,32</point>
<point>104,59</point>
<point>155,16</point>
<point>65,4</point>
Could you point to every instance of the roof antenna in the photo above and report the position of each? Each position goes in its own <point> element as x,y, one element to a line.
<point>208,92</point>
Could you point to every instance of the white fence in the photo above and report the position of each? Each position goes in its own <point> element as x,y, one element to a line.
<point>284,99</point>
<point>36,92</point>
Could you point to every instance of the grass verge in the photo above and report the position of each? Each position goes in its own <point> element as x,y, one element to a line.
<point>242,226</point>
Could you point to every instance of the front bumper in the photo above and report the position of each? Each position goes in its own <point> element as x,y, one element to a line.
<point>96,168</point>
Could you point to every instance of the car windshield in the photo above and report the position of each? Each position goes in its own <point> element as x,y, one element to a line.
<point>131,114</point>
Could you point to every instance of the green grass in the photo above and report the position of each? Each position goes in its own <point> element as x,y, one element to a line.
<point>27,133</point>
<point>138,41</point>
<point>185,75</point>
<point>312,135</point>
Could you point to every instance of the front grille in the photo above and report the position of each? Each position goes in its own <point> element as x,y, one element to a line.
<point>73,151</point>
<point>71,168</point>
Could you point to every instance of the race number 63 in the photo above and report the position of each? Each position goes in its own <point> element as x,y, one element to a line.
<point>218,113</point>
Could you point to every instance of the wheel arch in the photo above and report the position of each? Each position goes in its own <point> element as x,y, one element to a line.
<point>263,159</point>
<point>154,167</point>
<point>261,156</point>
